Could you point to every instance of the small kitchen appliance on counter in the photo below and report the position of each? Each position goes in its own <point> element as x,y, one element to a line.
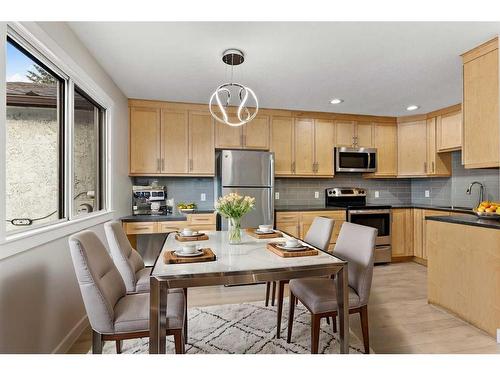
<point>149,200</point>
<point>359,212</point>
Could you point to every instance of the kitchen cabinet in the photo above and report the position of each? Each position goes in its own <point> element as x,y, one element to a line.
<point>402,233</point>
<point>252,136</point>
<point>481,134</point>
<point>201,144</point>
<point>324,143</point>
<point>412,148</point>
<point>385,140</point>
<point>449,132</point>
<point>438,164</point>
<point>144,140</point>
<point>354,133</point>
<point>419,231</point>
<point>282,137</point>
<point>174,141</point>
<point>171,142</point>
<point>304,147</point>
<point>298,223</point>
<point>193,221</point>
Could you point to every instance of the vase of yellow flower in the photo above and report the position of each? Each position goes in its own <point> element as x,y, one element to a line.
<point>233,207</point>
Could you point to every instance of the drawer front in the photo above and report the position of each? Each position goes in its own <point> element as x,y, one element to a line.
<point>201,219</point>
<point>203,227</point>
<point>171,226</point>
<point>140,228</point>
<point>287,217</point>
<point>308,217</point>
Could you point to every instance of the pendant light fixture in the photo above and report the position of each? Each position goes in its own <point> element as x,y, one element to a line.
<point>233,94</point>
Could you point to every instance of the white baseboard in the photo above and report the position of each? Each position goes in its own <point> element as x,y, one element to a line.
<point>71,337</point>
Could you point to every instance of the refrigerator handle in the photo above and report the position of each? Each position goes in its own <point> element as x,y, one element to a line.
<point>271,196</point>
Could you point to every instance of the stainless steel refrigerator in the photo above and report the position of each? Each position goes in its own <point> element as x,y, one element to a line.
<point>248,173</point>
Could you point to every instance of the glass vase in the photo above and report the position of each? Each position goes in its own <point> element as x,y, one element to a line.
<point>234,231</point>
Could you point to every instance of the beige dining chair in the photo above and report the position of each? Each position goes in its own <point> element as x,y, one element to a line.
<point>356,245</point>
<point>115,315</point>
<point>318,235</point>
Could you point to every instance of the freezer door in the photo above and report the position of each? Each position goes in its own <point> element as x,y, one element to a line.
<point>264,207</point>
<point>247,168</point>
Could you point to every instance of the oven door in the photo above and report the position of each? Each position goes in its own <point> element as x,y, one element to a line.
<point>349,159</point>
<point>378,219</point>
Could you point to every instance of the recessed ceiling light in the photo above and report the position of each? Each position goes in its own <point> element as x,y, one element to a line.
<point>412,107</point>
<point>336,101</point>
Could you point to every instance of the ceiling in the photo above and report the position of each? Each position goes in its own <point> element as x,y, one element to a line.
<point>378,68</point>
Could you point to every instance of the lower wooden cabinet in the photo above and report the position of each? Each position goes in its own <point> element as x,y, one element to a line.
<point>194,221</point>
<point>419,233</point>
<point>402,233</point>
<point>297,224</point>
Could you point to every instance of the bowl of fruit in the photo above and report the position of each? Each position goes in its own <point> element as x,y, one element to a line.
<point>488,210</point>
<point>186,207</point>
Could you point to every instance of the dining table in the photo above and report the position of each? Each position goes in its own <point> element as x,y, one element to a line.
<point>245,263</point>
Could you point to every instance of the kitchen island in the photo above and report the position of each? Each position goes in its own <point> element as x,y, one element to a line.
<point>464,268</point>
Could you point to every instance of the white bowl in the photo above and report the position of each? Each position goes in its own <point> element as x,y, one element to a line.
<point>189,249</point>
<point>265,228</point>
<point>292,242</point>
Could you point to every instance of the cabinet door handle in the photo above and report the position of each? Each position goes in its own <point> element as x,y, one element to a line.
<point>190,164</point>
<point>162,164</point>
<point>425,166</point>
<point>244,140</point>
<point>432,167</point>
<point>158,164</point>
<point>140,227</point>
<point>293,167</point>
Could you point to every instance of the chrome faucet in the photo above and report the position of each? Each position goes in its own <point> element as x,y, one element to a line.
<point>481,190</point>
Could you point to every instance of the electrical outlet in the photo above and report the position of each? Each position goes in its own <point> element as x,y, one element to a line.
<point>203,197</point>
<point>377,194</point>
<point>277,195</point>
<point>427,194</point>
<point>316,194</point>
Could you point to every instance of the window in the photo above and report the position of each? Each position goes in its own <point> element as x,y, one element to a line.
<point>42,187</point>
<point>87,154</point>
<point>34,141</point>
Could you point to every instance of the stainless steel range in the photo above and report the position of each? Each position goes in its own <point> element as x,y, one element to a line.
<point>358,212</point>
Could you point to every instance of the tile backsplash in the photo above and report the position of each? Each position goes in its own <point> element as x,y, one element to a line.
<point>184,189</point>
<point>451,191</point>
<point>294,191</point>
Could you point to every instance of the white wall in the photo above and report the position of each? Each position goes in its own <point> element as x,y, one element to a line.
<point>41,310</point>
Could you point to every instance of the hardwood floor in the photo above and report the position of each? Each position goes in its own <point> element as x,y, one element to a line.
<point>400,319</point>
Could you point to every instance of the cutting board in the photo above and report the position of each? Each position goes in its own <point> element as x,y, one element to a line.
<point>179,238</point>
<point>259,236</point>
<point>170,258</point>
<point>291,254</point>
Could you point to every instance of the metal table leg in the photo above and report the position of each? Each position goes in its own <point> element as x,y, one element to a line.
<point>343,306</point>
<point>157,317</point>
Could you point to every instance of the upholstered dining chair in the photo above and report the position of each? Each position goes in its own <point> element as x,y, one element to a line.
<point>115,315</point>
<point>318,235</point>
<point>356,245</point>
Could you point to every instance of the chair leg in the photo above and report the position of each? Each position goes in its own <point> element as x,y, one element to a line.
<point>179,342</point>
<point>118,346</point>
<point>96,342</point>
<point>334,321</point>
<point>186,315</point>
<point>363,314</point>
<point>291,312</point>
<point>273,293</point>
<point>281,290</point>
<point>268,289</point>
<point>315,324</point>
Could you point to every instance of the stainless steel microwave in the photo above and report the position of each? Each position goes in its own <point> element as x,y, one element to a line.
<point>354,159</point>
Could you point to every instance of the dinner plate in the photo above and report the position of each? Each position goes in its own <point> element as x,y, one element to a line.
<point>295,248</point>
<point>181,254</point>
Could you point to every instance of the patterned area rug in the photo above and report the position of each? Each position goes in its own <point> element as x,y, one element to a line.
<point>245,328</point>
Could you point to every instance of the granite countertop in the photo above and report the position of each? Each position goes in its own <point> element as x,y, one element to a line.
<point>467,220</point>
<point>169,217</point>
<point>308,208</point>
<point>421,206</point>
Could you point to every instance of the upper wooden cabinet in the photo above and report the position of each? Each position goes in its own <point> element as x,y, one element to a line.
<point>145,140</point>
<point>252,136</point>
<point>354,133</point>
<point>302,146</point>
<point>171,142</point>
<point>481,135</point>
<point>449,131</point>
<point>385,140</point>
<point>412,148</point>
<point>417,154</point>
<point>282,136</point>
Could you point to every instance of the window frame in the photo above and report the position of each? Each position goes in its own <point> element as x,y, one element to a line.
<point>29,37</point>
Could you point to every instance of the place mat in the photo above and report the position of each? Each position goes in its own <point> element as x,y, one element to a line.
<point>262,236</point>
<point>170,258</point>
<point>180,238</point>
<point>289,254</point>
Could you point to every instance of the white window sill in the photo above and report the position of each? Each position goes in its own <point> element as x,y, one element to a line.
<point>21,242</point>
